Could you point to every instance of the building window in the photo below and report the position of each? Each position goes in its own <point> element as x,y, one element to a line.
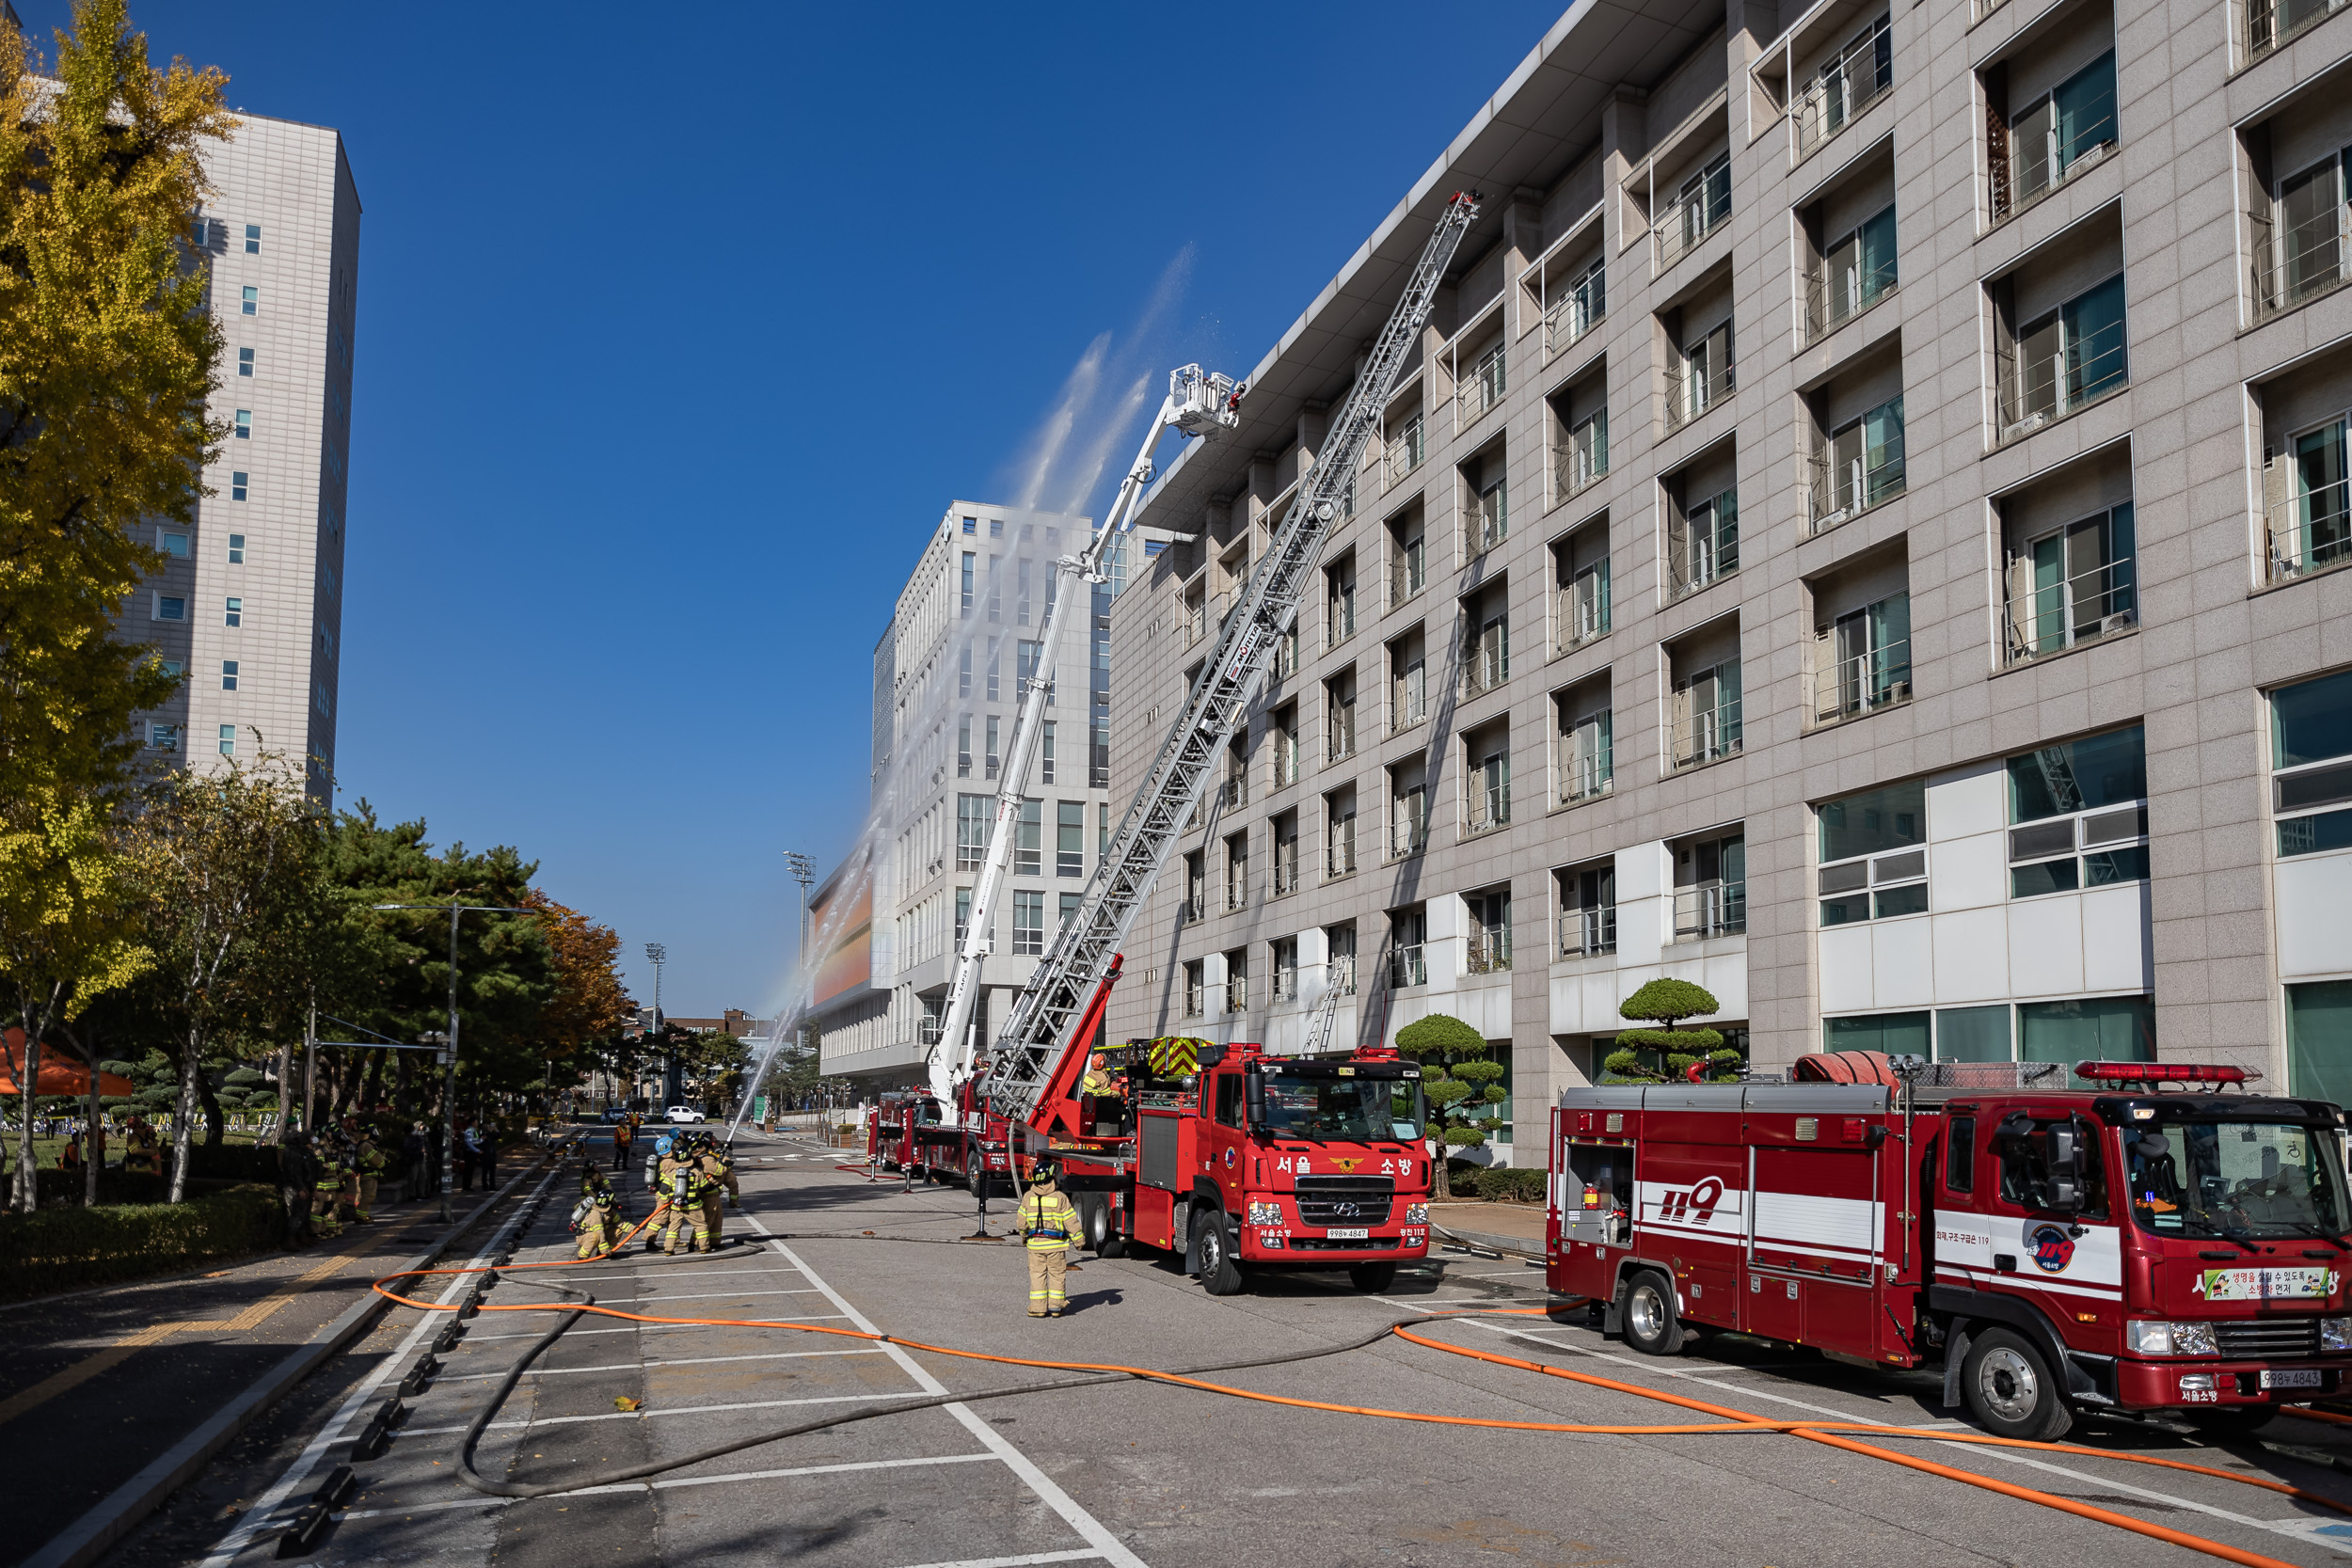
<point>1069,902</point>
<point>1045,753</point>
<point>229,675</point>
<point>1339,707</point>
<point>1584,457</point>
<point>1892,1033</point>
<point>2090,1028</point>
<point>1409,962</point>
<point>1706,377</point>
<point>995,673</point>
<point>1102,829</point>
<point>1849,83</point>
<point>2072,584</point>
<point>245,424</point>
<point>2311,756</point>
<point>1196,991</point>
<point>236,550</point>
<point>1858,465</point>
<point>251,302</point>
<point>1862,661</point>
<point>963,746</point>
<point>170,666</point>
<point>1237,872</point>
<point>1339,604</point>
<point>163,737</point>
<point>1286,854</point>
<point>964,672</point>
<point>252,239</point>
<point>1028,656</point>
<point>1707,714</point>
<point>1973,1035</point>
<point>1857,270</point>
<point>2064,361</point>
<point>1237,981</point>
<point>245,362</point>
<point>1581,305</point>
<point>1196,884</point>
<point>1408,810</point>
<point>1490,522</point>
<point>168,608</point>
<point>1099,754</point>
<point>1409,559</point>
<point>1489,913</point>
<point>1338,946</point>
<point>1069,838</point>
<point>972,825</point>
<point>2059,137</point>
<point>1488,380</point>
<point>964,916</point>
<point>2319,1040</point>
<point>1584,604</point>
<point>1488,756</point>
<point>172,544</point>
<point>1710,888</point>
<point>995,528</point>
<point>967,580</point>
<point>228,740</point>
<point>971,527</point>
<point>1703,542</point>
<point>1588,909</point>
<point>1874,860</point>
<point>1028,922</point>
<point>1028,845</point>
<point>2306,231</point>
<point>2078,812</point>
<point>991,756</point>
<point>1699,209</point>
<point>1285,747</point>
<point>232,612</point>
<point>1284,952</point>
<point>237,487</point>
<point>1486,663</point>
<point>1338,834</point>
<point>2304,504</point>
<point>1588,755</point>
<point>1408,445</point>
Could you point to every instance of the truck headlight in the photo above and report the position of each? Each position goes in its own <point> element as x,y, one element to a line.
<point>2158,1336</point>
<point>1265,1213</point>
<point>1418,1213</point>
<point>2335,1334</point>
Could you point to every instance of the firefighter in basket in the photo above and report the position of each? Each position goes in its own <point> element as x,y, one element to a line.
<point>1047,1224</point>
<point>598,1221</point>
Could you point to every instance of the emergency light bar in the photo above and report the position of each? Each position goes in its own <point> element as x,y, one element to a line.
<point>2161,1072</point>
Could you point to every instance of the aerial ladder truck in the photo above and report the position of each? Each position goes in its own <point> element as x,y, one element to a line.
<point>1221,1153</point>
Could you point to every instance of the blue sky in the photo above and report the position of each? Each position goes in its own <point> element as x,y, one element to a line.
<point>681,327</point>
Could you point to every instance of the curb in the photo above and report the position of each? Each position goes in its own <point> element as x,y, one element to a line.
<point>1513,1247</point>
<point>121,1511</point>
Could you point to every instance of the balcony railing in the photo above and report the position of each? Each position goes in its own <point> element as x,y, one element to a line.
<point>1408,832</point>
<point>1194,616</point>
<point>1587,932</point>
<point>1490,807</point>
<point>1286,868</point>
<point>1489,951</point>
<point>1707,734</point>
<point>1338,618</point>
<point>1233,791</point>
<point>1285,983</point>
<point>1704,547</point>
<point>1579,460</point>
<point>1484,387</point>
<point>1696,390</point>
<point>2053,617</point>
<point>1485,668</point>
<point>1574,313</point>
<point>1236,993</point>
<point>1408,967</point>
<point>2050,388</point>
<point>1862,683</point>
<point>1699,210</point>
<point>1711,910</point>
<point>1844,88</point>
<point>1406,449</point>
<point>1409,573</point>
<point>2044,154</point>
<point>2310,532</point>
<point>1339,972</point>
<point>1832,298</point>
<point>1583,775</point>
<point>1341,854</point>
<point>1341,739</point>
<point>1845,488</point>
<point>2308,260</point>
<point>2272,23</point>
<point>1584,610</point>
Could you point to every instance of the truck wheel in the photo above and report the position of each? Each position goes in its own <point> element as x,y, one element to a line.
<point>2232,1423</point>
<point>1220,1271</point>
<point>1372,1278</point>
<point>2010,1388</point>
<point>976,1174</point>
<point>1651,1324</point>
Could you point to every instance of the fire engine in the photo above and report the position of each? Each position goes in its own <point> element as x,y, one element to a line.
<point>2157,1241</point>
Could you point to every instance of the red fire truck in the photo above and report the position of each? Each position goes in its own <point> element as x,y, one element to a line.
<point>1235,1159</point>
<point>2158,1242</point>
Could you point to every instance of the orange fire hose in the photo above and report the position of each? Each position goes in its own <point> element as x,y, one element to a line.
<point>1729,1421</point>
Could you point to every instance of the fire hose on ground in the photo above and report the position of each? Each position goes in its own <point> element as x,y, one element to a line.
<point>1728,1422</point>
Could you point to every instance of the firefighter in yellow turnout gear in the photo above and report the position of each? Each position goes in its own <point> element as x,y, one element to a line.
<point>598,1221</point>
<point>1047,1223</point>
<point>326,1190</point>
<point>719,1176</point>
<point>682,1188</point>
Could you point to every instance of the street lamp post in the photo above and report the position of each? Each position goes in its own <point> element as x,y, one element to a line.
<point>449,1045</point>
<point>803,872</point>
<point>660,955</point>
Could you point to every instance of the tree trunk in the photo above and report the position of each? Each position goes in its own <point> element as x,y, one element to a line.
<point>184,1119</point>
<point>1438,1179</point>
<point>211,1101</point>
<point>285,1089</point>
<point>90,1160</point>
<point>346,1086</point>
<point>27,1161</point>
<point>373,1093</point>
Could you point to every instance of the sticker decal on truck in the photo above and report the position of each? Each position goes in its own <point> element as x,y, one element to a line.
<point>2264,1284</point>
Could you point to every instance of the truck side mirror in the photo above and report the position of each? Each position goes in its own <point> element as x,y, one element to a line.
<point>1253,1101</point>
<point>2066,1177</point>
<point>1209,1055</point>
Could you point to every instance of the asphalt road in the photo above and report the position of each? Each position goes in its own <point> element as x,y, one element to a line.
<point>1136,1473</point>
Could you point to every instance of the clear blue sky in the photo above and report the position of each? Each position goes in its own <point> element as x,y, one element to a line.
<point>681,327</point>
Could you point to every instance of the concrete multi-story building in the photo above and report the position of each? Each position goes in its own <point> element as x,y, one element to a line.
<point>249,606</point>
<point>1859,534</point>
<point>965,634</point>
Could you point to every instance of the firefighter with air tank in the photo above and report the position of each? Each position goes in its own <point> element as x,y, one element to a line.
<point>1047,1224</point>
<point>720,1183</point>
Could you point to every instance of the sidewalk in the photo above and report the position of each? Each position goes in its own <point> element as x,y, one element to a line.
<point>1516,1228</point>
<point>97,1386</point>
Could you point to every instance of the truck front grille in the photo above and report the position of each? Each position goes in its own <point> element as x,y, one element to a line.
<point>1345,1200</point>
<point>2265,1339</point>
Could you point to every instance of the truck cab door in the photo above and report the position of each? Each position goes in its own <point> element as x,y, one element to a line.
<point>1223,1145</point>
<point>2053,1238</point>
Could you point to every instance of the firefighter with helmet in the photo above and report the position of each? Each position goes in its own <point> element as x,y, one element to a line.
<point>327,1188</point>
<point>598,1221</point>
<point>683,1184</point>
<point>141,1155</point>
<point>657,1173</point>
<point>1098,1079</point>
<point>720,1184</point>
<point>1047,1224</point>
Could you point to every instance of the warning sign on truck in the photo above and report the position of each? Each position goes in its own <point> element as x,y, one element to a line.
<point>2264,1284</point>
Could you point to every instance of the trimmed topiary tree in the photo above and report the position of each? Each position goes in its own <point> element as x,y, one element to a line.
<point>1455,1076</point>
<point>1668,1003</point>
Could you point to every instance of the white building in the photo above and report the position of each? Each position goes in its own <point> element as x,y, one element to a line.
<point>251,603</point>
<point>967,630</point>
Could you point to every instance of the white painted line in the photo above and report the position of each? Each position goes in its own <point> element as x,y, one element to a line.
<point>648,1366</point>
<point>712,1295</point>
<point>641,1275</point>
<point>1090,1529</point>
<point>642,1414</point>
<point>683,1480</point>
<point>1015,1561</point>
<point>259,1516</point>
<point>648,1328</point>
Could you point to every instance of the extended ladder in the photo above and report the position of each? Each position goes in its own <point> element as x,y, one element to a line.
<point>1038,1031</point>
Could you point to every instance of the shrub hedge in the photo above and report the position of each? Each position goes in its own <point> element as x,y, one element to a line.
<point>60,1187</point>
<point>1495,1183</point>
<point>65,1249</point>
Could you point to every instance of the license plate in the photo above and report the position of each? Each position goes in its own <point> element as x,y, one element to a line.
<point>1347,1235</point>
<point>2292,1377</point>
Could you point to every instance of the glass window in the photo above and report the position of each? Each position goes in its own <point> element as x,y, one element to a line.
<point>245,424</point>
<point>2026,1164</point>
<point>252,241</point>
<point>1960,1156</point>
<point>1028,845</point>
<point>236,550</point>
<point>2087,1029</point>
<point>1873,821</point>
<point>1069,909</point>
<point>1895,1034</point>
<point>174,544</point>
<point>236,487</point>
<point>2311,721</point>
<point>972,825</point>
<point>1069,838</point>
<point>2319,1040</point>
<point>2078,775</point>
<point>1028,922</point>
<point>169,608</point>
<point>228,740</point>
<point>1972,1035</point>
<point>250,304</point>
<point>229,675</point>
<point>233,613</point>
<point>2235,1178</point>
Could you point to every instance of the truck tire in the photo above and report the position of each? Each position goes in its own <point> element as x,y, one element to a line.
<point>1372,1278</point>
<point>2229,1423</point>
<point>1652,1325</point>
<point>2010,1388</point>
<point>1102,1230</point>
<point>976,1174</point>
<point>1220,1271</point>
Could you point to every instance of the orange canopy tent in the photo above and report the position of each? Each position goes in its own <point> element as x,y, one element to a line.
<point>60,1072</point>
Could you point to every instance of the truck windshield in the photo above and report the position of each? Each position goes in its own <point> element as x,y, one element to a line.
<point>1367,1109</point>
<point>2237,1178</point>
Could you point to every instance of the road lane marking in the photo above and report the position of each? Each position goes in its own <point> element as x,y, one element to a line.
<point>686,1481</point>
<point>648,1328</point>
<point>1020,1562</point>
<point>647,1366</point>
<point>642,1415</point>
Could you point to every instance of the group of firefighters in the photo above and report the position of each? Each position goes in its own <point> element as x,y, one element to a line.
<point>339,1166</point>
<point>692,1174</point>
